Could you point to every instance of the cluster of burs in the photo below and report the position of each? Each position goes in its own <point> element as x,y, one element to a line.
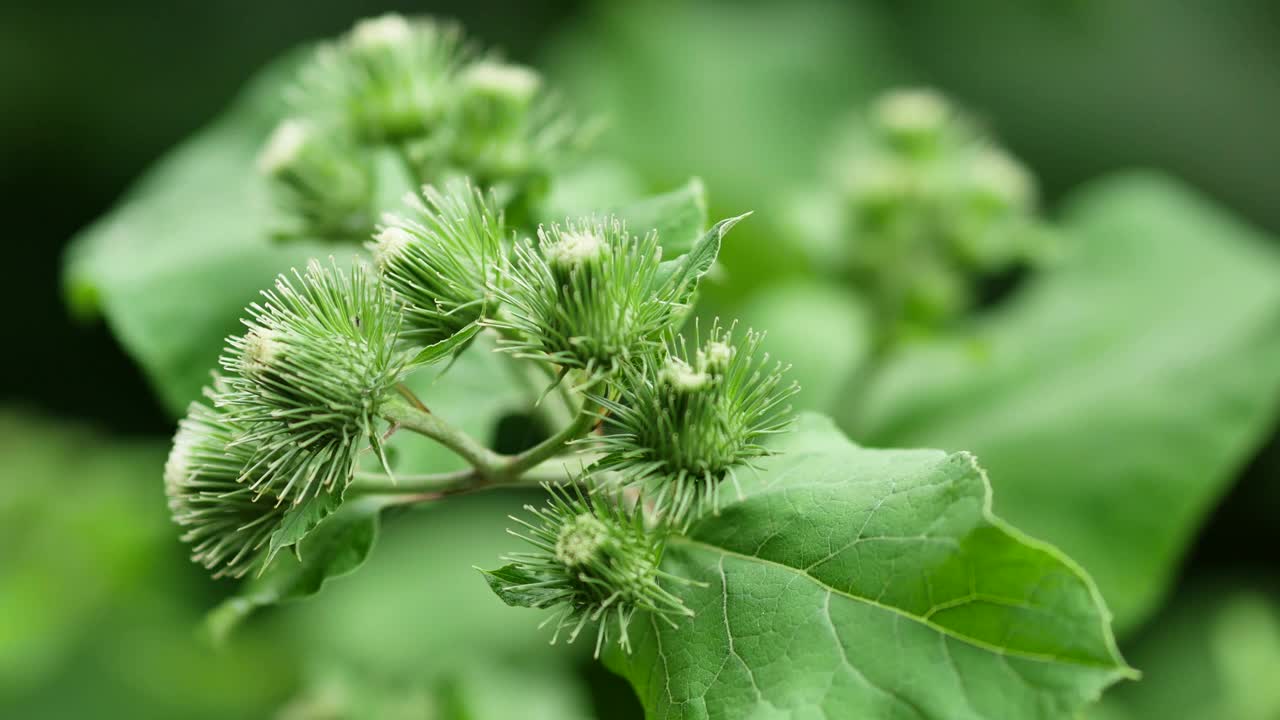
<point>300,402</point>
<point>927,208</point>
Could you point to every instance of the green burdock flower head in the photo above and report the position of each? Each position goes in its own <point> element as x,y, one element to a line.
<point>306,380</point>
<point>389,79</point>
<point>930,210</point>
<point>592,561</point>
<point>416,89</point>
<point>322,182</point>
<point>592,297</point>
<point>227,523</point>
<point>440,259</point>
<point>683,422</point>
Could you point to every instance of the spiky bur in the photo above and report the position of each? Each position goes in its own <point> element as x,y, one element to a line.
<point>324,185</point>
<point>306,380</point>
<point>417,85</point>
<point>588,296</point>
<point>684,422</point>
<point>389,79</point>
<point>931,210</point>
<point>227,523</point>
<point>593,562</point>
<point>439,260</point>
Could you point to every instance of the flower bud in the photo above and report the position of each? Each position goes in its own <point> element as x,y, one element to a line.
<point>677,428</point>
<point>439,259</point>
<point>593,562</point>
<point>589,296</point>
<point>933,209</point>
<point>322,182</point>
<point>389,79</point>
<point>307,378</point>
<point>913,119</point>
<point>227,523</point>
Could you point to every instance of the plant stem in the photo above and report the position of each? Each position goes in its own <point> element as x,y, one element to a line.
<point>581,425</point>
<point>399,411</point>
<point>487,467</point>
<point>557,470</point>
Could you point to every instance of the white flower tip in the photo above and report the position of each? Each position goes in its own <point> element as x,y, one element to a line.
<point>262,347</point>
<point>514,82</point>
<point>683,378</point>
<point>995,172</point>
<point>284,146</point>
<point>716,355</point>
<point>579,540</point>
<point>177,468</point>
<point>911,110</point>
<point>389,245</point>
<point>574,248</point>
<point>385,31</point>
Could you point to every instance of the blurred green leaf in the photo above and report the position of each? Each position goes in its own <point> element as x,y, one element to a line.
<point>420,605</point>
<point>172,267</point>
<point>736,93</point>
<point>97,598</point>
<point>679,217</point>
<point>1115,397</point>
<point>337,546</point>
<point>818,328</point>
<point>1214,654</point>
<point>849,582</point>
<point>78,520</point>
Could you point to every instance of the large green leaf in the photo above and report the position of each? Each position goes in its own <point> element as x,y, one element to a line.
<point>847,582</point>
<point>1114,398</point>
<point>172,267</point>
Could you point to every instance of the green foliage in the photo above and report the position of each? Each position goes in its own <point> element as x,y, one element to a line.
<point>173,265</point>
<point>1113,395</point>
<point>1214,654</point>
<point>1116,396</point>
<point>871,583</point>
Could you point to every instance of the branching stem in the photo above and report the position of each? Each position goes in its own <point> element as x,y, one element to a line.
<point>488,468</point>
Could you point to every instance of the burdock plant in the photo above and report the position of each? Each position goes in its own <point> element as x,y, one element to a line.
<point>314,384</point>
<point>726,568</point>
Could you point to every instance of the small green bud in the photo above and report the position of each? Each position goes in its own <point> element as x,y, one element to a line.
<point>227,523</point>
<point>997,178</point>
<point>678,428</point>
<point>389,79</point>
<point>440,258</point>
<point>320,180</point>
<point>505,85</point>
<point>588,296</point>
<point>307,378</point>
<point>580,540</point>
<point>593,561</point>
<point>912,118</point>
<point>384,33</point>
<point>933,209</point>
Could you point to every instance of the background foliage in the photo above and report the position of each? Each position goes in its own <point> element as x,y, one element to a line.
<point>1124,400</point>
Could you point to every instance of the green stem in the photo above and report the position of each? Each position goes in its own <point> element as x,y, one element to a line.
<point>401,412</point>
<point>488,468</point>
<point>581,425</point>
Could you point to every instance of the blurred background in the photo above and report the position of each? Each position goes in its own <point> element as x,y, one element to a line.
<point>98,604</point>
